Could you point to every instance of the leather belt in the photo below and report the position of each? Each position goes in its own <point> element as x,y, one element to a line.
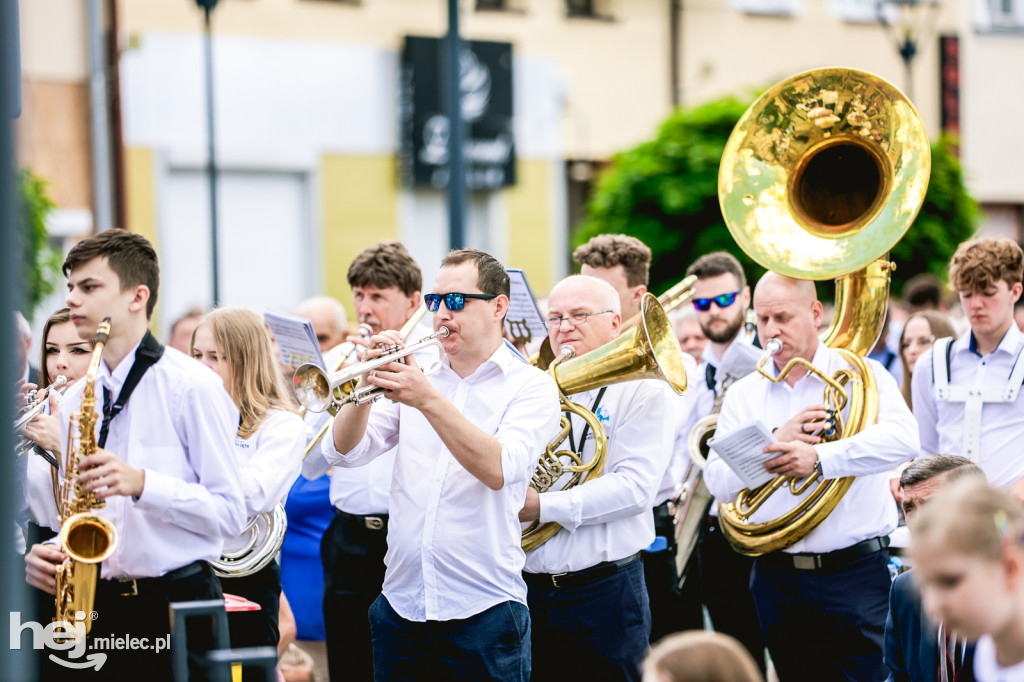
<point>130,587</point>
<point>567,581</point>
<point>817,562</point>
<point>370,521</point>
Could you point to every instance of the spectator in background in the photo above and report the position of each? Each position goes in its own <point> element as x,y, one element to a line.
<point>28,373</point>
<point>181,331</point>
<point>700,656</point>
<point>883,355</point>
<point>328,317</point>
<point>919,333</point>
<point>923,292</point>
<point>691,336</point>
<point>1018,315</point>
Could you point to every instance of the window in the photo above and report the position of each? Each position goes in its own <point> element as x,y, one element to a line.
<point>1006,14</point>
<point>492,5</point>
<point>589,9</point>
<point>778,8</point>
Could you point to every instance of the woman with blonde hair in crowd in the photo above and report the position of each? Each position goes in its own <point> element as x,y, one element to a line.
<point>700,656</point>
<point>968,551</point>
<point>919,333</point>
<point>268,447</point>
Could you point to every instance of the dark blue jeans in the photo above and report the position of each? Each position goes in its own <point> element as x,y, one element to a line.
<point>826,624</point>
<point>492,645</point>
<point>597,631</point>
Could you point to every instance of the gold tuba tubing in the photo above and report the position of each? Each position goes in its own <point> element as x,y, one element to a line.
<point>822,175</point>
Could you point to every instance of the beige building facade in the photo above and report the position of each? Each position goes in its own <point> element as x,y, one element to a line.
<point>307,109</point>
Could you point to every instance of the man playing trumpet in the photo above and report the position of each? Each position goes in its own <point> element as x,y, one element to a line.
<point>468,438</point>
<point>587,596</point>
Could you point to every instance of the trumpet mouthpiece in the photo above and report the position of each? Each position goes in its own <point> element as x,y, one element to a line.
<point>442,332</point>
<point>773,346</point>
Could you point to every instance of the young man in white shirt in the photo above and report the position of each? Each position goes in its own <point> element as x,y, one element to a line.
<point>967,393</point>
<point>822,601</point>
<point>721,298</point>
<point>164,466</point>
<point>468,439</point>
<point>386,284</point>
<point>587,594</point>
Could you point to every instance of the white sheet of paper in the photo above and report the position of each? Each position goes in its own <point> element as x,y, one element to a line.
<point>523,320</point>
<point>295,339</point>
<point>743,451</point>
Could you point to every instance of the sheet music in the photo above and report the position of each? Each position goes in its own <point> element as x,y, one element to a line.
<point>295,339</point>
<point>743,451</point>
<point>523,320</point>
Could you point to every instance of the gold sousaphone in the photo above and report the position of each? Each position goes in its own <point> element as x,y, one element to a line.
<point>649,349</point>
<point>822,175</point>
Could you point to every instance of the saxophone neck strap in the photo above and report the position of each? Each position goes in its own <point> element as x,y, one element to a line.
<point>148,352</point>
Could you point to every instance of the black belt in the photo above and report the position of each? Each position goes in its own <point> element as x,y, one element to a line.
<point>130,587</point>
<point>370,521</point>
<point>816,562</point>
<point>567,581</point>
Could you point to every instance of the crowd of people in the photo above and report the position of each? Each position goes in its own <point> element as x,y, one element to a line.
<point>404,551</point>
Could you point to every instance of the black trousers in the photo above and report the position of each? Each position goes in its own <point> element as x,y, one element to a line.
<point>352,551</point>
<point>144,618</point>
<point>255,628</point>
<point>824,624</point>
<point>725,588</point>
<point>672,609</point>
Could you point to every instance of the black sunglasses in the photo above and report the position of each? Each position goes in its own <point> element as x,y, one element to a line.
<point>454,301</point>
<point>722,301</point>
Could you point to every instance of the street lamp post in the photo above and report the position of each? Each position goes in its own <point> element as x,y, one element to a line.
<point>909,22</point>
<point>211,168</point>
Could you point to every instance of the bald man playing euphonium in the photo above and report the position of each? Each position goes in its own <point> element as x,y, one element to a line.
<point>821,602</point>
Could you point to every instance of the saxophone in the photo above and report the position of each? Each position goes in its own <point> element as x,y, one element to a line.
<point>86,538</point>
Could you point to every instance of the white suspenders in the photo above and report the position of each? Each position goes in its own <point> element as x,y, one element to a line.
<point>973,397</point>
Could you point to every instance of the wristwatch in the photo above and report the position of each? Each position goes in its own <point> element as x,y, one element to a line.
<point>817,468</point>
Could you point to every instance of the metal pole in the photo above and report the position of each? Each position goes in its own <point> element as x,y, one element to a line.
<point>456,162</point>
<point>102,197</point>
<point>211,167</point>
<point>15,664</point>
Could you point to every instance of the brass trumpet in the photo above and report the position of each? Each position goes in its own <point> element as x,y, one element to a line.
<point>34,406</point>
<point>314,388</point>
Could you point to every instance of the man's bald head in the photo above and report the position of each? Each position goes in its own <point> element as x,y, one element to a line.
<point>788,309</point>
<point>800,290</point>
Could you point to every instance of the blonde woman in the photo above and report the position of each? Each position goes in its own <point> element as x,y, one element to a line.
<point>268,449</point>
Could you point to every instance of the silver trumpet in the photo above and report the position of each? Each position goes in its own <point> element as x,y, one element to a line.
<point>34,405</point>
<point>314,388</point>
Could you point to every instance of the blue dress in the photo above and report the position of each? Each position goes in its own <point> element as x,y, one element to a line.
<point>309,512</point>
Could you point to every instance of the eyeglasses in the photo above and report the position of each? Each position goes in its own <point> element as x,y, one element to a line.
<point>577,319</point>
<point>722,301</point>
<point>454,301</point>
<point>921,341</point>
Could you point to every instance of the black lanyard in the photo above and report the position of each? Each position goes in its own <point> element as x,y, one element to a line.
<point>148,353</point>
<point>586,427</point>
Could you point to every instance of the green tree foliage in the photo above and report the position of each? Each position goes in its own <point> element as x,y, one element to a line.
<point>665,192</point>
<point>40,264</point>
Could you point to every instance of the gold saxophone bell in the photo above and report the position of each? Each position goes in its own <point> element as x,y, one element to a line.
<point>648,350</point>
<point>822,175</point>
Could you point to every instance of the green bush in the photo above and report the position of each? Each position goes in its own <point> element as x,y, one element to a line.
<point>40,264</point>
<point>665,192</point>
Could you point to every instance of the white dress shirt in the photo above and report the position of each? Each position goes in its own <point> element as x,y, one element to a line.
<point>682,413</point>
<point>454,545</point>
<point>362,490</point>
<point>941,423</point>
<point>867,510</point>
<point>739,359</point>
<point>177,427</point>
<point>41,507</point>
<point>610,518</point>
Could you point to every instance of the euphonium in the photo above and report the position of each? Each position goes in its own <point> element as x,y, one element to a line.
<point>85,537</point>
<point>820,178</point>
<point>265,536</point>
<point>648,350</point>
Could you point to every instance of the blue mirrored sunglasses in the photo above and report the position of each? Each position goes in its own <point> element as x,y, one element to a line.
<point>454,301</point>
<point>722,301</point>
